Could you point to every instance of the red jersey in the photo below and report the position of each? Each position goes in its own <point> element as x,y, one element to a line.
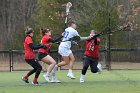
<point>92,50</point>
<point>29,53</point>
<point>47,43</point>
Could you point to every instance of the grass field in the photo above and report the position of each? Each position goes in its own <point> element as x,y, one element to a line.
<point>118,81</point>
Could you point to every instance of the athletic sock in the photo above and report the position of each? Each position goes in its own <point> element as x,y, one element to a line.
<point>82,76</point>
<point>53,77</point>
<point>35,79</point>
<point>55,69</point>
<point>53,73</point>
<point>70,71</point>
<point>26,76</point>
<point>47,74</point>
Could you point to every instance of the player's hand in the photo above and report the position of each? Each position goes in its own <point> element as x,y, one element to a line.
<point>95,36</point>
<point>62,34</point>
<point>58,43</point>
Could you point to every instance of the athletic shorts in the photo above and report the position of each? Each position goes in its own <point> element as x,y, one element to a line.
<point>41,55</point>
<point>63,51</point>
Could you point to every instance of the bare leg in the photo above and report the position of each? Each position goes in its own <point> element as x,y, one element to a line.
<point>72,59</point>
<point>51,62</point>
<point>65,61</point>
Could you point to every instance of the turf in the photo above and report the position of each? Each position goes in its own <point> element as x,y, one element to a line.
<point>120,81</point>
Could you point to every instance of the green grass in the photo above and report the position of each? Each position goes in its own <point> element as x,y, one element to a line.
<point>119,81</point>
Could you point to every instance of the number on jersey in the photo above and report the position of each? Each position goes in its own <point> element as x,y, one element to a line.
<point>66,34</point>
<point>91,46</point>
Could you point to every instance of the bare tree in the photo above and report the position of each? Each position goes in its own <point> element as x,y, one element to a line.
<point>13,15</point>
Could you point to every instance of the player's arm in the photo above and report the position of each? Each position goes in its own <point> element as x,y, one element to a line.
<point>35,47</point>
<point>89,37</point>
<point>55,40</point>
<point>97,41</point>
<point>85,38</point>
<point>77,37</point>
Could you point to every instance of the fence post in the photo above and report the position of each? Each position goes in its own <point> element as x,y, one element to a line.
<point>10,59</point>
<point>108,65</point>
<point>12,64</point>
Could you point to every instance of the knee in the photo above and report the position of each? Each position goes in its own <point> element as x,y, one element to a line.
<point>72,59</point>
<point>54,63</point>
<point>39,68</point>
<point>66,63</point>
<point>94,70</point>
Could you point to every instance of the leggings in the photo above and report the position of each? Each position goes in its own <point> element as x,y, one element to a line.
<point>93,62</point>
<point>36,67</point>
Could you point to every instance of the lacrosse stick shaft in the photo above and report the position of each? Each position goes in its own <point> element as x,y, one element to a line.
<point>125,28</point>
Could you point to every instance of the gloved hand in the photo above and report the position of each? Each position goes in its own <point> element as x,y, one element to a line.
<point>93,37</point>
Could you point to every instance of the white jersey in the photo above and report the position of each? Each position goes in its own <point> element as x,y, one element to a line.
<point>69,33</point>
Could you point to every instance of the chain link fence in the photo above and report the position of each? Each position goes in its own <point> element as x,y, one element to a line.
<point>13,60</point>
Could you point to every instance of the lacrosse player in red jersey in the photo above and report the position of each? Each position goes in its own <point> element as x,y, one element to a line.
<point>91,56</point>
<point>43,54</point>
<point>29,56</point>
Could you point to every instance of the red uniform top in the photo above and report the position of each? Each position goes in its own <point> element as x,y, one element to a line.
<point>47,43</point>
<point>92,49</point>
<point>29,53</point>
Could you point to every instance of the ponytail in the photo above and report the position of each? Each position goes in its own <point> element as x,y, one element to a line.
<point>43,31</point>
<point>28,30</point>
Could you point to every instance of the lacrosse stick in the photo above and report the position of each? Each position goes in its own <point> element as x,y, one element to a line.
<point>68,6</point>
<point>127,27</point>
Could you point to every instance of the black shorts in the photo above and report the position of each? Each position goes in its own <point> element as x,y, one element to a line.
<point>41,55</point>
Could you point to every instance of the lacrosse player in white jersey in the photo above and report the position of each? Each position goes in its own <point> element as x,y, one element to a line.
<point>65,48</point>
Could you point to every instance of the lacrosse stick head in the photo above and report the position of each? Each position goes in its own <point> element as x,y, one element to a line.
<point>68,5</point>
<point>127,27</point>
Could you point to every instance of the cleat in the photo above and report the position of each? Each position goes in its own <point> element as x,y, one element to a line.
<point>99,66</point>
<point>70,75</point>
<point>55,80</point>
<point>25,80</point>
<point>46,78</point>
<point>82,80</point>
<point>35,83</point>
